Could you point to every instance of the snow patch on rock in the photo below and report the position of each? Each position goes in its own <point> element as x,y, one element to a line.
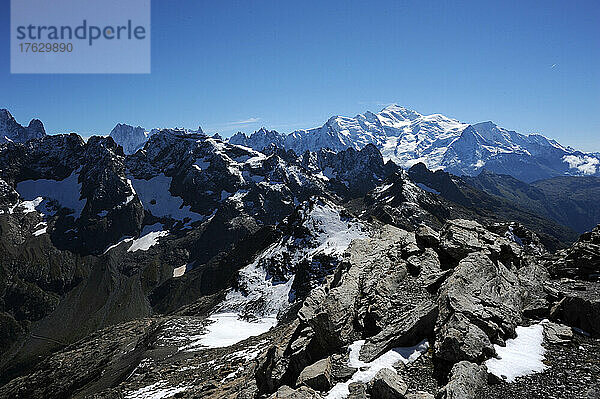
<point>521,356</point>
<point>367,371</point>
<point>156,198</point>
<point>66,192</point>
<point>227,329</point>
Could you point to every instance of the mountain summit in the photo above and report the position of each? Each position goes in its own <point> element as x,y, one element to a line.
<point>11,130</point>
<point>408,137</point>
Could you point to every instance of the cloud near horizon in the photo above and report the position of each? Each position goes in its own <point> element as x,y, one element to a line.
<point>245,121</point>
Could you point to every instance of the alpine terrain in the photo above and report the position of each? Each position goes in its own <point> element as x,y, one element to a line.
<point>388,255</point>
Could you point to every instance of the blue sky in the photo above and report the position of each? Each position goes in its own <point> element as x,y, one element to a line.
<point>530,66</point>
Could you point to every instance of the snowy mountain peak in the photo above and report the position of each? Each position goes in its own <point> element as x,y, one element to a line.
<point>129,137</point>
<point>12,131</point>
<point>399,112</point>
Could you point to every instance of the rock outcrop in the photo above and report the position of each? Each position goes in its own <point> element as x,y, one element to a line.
<point>466,381</point>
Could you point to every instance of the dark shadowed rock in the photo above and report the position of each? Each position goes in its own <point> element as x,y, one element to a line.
<point>466,381</point>
<point>583,258</point>
<point>427,237</point>
<point>411,327</point>
<point>579,308</point>
<point>317,376</point>
<point>460,237</point>
<point>387,384</point>
<point>357,390</point>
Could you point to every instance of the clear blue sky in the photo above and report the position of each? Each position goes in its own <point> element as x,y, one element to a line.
<point>530,66</point>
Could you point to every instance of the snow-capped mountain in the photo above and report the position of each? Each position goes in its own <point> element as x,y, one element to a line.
<point>11,130</point>
<point>133,138</point>
<point>129,137</point>
<point>408,137</point>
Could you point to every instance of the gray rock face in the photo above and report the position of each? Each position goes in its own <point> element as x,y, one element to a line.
<point>129,137</point>
<point>12,131</point>
<point>317,376</point>
<point>555,333</point>
<point>375,294</point>
<point>426,263</point>
<point>420,395</point>
<point>357,390</point>
<point>579,310</point>
<point>532,276</point>
<point>387,384</point>
<point>286,392</point>
<point>583,258</point>
<point>461,237</point>
<point>466,381</point>
<point>110,351</point>
<point>407,329</point>
<point>426,236</point>
<point>479,304</point>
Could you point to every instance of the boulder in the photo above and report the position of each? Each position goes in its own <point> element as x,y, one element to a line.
<point>420,395</point>
<point>555,333</point>
<point>479,304</point>
<point>317,376</point>
<point>408,329</point>
<point>340,370</point>
<point>466,381</point>
<point>579,309</point>
<point>433,281</point>
<point>357,390</point>
<point>426,263</point>
<point>427,237</point>
<point>532,276</point>
<point>583,258</point>
<point>387,384</point>
<point>285,392</point>
<point>459,238</point>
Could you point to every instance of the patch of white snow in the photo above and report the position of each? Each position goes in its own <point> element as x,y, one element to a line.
<point>521,356</point>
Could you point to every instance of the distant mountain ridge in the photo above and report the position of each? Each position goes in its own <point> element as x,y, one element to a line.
<point>403,136</point>
<point>408,137</point>
<point>569,200</point>
<point>12,131</point>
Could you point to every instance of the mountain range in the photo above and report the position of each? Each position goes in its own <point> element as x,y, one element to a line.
<point>173,264</point>
<point>407,137</point>
<point>403,136</point>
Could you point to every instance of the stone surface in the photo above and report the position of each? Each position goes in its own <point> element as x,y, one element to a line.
<point>478,305</point>
<point>460,237</point>
<point>357,390</point>
<point>555,333</point>
<point>466,381</point>
<point>317,376</point>
<point>387,384</point>
<point>286,392</point>
<point>420,395</point>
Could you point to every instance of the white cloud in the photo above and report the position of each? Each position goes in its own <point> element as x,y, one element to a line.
<point>585,164</point>
<point>245,121</point>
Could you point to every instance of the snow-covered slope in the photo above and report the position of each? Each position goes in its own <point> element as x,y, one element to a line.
<point>407,137</point>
